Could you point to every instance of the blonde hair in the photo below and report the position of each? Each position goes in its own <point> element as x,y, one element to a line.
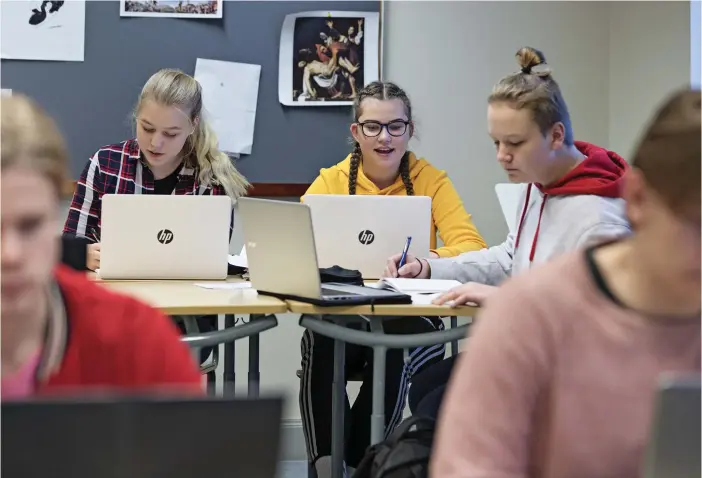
<point>670,150</point>
<point>31,139</point>
<point>170,87</point>
<point>533,88</point>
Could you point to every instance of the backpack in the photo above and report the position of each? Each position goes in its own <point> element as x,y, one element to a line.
<point>405,454</point>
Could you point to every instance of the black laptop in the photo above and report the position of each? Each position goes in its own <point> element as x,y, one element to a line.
<point>141,438</point>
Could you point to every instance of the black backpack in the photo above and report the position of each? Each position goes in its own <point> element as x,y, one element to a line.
<point>405,454</point>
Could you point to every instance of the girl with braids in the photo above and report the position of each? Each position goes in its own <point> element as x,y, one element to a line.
<point>175,152</point>
<point>573,199</point>
<point>379,164</point>
<point>561,373</point>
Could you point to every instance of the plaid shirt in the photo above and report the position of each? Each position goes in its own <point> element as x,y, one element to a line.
<point>120,169</point>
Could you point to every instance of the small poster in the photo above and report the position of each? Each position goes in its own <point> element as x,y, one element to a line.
<point>171,9</point>
<point>42,30</point>
<point>326,57</point>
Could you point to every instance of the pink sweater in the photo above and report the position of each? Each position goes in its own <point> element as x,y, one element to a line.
<point>558,381</point>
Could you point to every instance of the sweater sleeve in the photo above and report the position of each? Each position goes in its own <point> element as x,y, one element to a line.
<point>456,229</point>
<point>165,363</point>
<point>487,266</point>
<point>319,186</point>
<point>486,424</point>
<point>85,209</point>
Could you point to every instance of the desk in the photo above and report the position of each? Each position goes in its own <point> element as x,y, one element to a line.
<point>176,297</point>
<point>180,297</point>
<point>380,342</point>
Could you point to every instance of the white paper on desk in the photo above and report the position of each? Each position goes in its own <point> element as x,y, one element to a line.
<point>224,285</point>
<point>423,299</point>
<point>240,259</point>
<point>230,95</point>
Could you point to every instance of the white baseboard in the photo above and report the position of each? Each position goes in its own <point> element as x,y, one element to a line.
<point>292,441</point>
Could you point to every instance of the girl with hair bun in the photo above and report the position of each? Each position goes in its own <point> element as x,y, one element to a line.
<point>572,199</point>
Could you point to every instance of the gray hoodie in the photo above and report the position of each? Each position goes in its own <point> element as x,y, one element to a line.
<point>582,208</point>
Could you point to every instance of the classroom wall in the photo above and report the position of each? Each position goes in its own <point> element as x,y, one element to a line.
<point>649,56</point>
<point>447,55</point>
<point>696,43</point>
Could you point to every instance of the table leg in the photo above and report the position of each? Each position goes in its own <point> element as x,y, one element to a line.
<point>454,343</point>
<point>254,356</point>
<point>338,409</point>
<point>378,408</point>
<point>229,360</point>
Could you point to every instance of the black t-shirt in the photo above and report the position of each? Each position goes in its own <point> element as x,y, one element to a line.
<point>167,185</point>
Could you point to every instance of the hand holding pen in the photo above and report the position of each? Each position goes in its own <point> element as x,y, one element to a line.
<point>403,258</point>
<point>93,254</point>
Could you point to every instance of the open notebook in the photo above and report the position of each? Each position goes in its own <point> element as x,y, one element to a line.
<point>422,291</point>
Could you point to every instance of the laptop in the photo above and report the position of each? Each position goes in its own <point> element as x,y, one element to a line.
<point>509,195</point>
<point>674,444</point>
<point>146,236</point>
<point>282,258</point>
<point>362,232</point>
<point>141,438</point>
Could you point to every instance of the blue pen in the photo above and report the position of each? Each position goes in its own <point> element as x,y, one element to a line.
<point>404,252</point>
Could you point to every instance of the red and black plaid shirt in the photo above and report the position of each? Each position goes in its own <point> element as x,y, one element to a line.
<point>120,169</point>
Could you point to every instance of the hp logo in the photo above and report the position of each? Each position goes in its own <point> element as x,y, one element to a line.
<point>366,237</point>
<point>164,236</point>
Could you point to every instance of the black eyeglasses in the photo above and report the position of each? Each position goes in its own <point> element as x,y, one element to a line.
<point>374,128</point>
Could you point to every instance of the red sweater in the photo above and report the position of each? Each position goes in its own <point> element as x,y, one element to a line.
<point>101,340</point>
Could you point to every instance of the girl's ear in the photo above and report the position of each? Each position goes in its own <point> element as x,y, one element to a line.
<point>411,129</point>
<point>196,123</point>
<point>355,132</point>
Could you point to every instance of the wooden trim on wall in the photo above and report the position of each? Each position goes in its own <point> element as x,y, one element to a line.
<point>256,189</point>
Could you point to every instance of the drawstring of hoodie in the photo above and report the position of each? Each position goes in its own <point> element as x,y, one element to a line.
<point>538,224</point>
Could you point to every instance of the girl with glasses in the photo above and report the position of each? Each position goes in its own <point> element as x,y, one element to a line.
<point>379,164</point>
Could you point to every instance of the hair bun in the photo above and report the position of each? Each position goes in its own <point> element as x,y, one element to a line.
<point>528,58</point>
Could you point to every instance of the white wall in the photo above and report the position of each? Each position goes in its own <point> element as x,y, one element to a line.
<point>447,56</point>
<point>649,56</point>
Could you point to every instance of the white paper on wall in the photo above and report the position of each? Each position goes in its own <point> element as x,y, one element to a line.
<point>230,96</point>
<point>42,30</point>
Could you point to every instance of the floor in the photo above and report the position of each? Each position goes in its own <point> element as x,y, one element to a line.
<point>292,469</point>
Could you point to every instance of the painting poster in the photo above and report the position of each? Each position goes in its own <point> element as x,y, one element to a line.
<point>42,30</point>
<point>326,57</point>
<point>202,9</point>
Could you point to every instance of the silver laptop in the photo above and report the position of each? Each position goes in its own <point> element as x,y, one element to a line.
<point>674,443</point>
<point>147,236</point>
<point>141,437</point>
<point>362,232</point>
<point>282,259</point>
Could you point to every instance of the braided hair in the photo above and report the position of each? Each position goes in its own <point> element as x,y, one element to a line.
<point>381,90</point>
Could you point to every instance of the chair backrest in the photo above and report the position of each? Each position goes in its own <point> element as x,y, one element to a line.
<point>509,195</point>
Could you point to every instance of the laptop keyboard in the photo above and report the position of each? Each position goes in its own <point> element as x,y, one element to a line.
<point>335,292</point>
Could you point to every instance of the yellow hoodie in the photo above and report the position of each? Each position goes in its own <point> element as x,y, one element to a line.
<point>455,227</point>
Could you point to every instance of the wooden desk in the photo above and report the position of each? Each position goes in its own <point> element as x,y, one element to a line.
<point>174,297</point>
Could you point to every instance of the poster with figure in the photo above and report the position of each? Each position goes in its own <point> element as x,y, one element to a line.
<point>171,9</point>
<point>326,57</point>
<point>42,30</point>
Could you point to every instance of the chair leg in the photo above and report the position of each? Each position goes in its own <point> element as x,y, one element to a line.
<point>211,383</point>
<point>454,343</point>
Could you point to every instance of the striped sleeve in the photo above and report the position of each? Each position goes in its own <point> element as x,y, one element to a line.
<point>84,213</point>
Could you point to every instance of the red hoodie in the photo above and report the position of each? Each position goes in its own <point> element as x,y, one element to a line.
<point>101,341</point>
<point>599,174</point>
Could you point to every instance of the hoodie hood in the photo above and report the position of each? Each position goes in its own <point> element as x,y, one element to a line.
<point>599,174</point>
<point>363,183</point>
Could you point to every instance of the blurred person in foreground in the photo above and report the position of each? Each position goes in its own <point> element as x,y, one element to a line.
<point>62,333</point>
<point>561,372</point>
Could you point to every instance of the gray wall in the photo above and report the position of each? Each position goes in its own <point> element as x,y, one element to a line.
<point>92,100</point>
